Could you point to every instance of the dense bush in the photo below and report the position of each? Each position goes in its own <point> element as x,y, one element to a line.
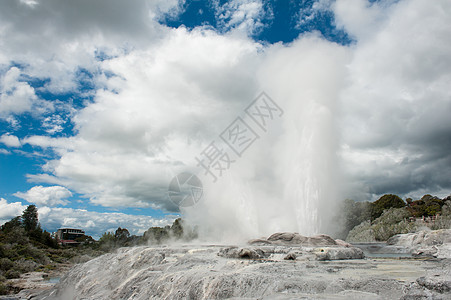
<point>385,202</point>
<point>25,265</point>
<point>107,241</point>
<point>10,274</point>
<point>3,288</point>
<point>178,231</point>
<point>15,235</point>
<point>427,206</point>
<point>156,235</point>
<point>5,264</point>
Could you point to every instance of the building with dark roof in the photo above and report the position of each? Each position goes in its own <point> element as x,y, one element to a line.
<point>68,236</point>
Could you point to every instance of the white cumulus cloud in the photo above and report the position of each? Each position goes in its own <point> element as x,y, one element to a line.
<point>130,144</point>
<point>10,140</point>
<point>10,210</point>
<point>241,15</point>
<point>49,196</point>
<point>17,96</point>
<point>395,125</point>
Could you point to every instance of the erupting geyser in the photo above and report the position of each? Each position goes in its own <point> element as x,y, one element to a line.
<point>287,180</point>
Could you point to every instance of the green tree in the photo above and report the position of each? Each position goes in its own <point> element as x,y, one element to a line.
<point>107,241</point>
<point>156,235</point>
<point>177,228</point>
<point>85,239</point>
<point>385,202</point>
<point>121,236</point>
<point>30,218</point>
<point>10,225</point>
<point>47,240</point>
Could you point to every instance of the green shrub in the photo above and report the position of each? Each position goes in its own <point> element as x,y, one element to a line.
<point>49,267</point>
<point>10,274</point>
<point>5,264</point>
<point>15,235</point>
<point>25,265</point>
<point>57,258</point>
<point>156,235</point>
<point>32,253</point>
<point>3,289</point>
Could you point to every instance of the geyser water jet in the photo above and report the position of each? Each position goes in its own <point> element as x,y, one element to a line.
<point>287,180</point>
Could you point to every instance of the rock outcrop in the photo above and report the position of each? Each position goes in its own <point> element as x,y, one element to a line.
<point>436,243</point>
<point>294,238</point>
<point>337,253</point>
<point>331,249</point>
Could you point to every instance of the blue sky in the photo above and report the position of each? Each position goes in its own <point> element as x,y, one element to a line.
<point>102,104</point>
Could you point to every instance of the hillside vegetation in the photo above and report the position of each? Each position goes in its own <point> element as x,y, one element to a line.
<point>25,247</point>
<point>390,215</point>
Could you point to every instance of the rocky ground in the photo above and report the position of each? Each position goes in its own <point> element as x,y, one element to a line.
<point>284,266</point>
<point>436,243</point>
<point>34,283</point>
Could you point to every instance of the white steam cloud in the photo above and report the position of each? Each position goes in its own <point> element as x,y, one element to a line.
<point>287,180</point>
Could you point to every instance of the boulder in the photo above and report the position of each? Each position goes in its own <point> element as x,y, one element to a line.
<point>243,253</point>
<point>287,238</point>
<point>342,243</point>
<point>259,242</point>
<point>436,243</point>
<point>290,256</point>
<point>338,253</point>
<point>321,240</point>
<point>436,284</point>
<point>295,239</point>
